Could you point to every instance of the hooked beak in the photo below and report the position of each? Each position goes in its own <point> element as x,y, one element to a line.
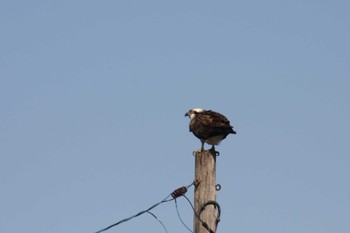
<point>186,114</point>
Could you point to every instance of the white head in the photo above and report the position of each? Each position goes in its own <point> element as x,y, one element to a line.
<point>192,112</point>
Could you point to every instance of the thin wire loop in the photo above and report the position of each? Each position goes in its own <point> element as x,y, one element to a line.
<point>158,220</point>
<point>178,214</point>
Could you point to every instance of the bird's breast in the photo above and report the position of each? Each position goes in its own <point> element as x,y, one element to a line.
<point>215,140</point>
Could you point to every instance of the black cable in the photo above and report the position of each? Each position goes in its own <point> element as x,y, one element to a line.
<point>217,206</point>
<point>204,224</point>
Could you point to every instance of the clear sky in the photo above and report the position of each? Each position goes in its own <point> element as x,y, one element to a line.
<point>93,96</point>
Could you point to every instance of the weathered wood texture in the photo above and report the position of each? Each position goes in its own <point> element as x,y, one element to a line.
<point>205,174</point>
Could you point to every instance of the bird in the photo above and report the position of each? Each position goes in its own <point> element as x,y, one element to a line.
<point>209,126</point>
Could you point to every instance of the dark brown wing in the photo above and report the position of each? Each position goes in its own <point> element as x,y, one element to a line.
<point>209,123</point>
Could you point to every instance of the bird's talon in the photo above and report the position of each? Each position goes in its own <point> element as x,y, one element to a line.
<point>214,152</point>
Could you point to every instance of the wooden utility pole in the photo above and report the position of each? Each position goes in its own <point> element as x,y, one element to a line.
<point>205,190</point>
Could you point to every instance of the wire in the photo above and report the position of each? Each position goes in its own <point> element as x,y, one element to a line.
<point>175,194</point>
<point>178,214</point>
<point>158,220</point>
<point>136,215</point>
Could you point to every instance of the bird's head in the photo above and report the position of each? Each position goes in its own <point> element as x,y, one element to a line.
<point>192,112</point>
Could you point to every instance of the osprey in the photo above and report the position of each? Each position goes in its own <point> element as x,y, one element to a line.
<point>209,126</point>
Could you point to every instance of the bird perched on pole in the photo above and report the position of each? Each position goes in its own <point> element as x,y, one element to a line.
<point>209,127</point>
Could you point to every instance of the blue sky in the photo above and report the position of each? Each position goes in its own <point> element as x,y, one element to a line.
<point>93,96</point>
